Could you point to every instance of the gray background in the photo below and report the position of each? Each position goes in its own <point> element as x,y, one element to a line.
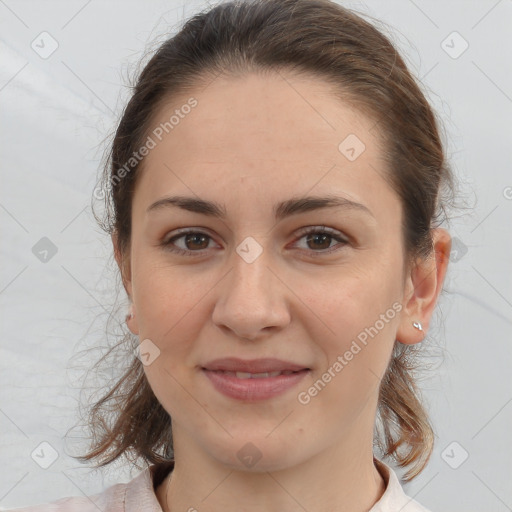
<point>56,113</point>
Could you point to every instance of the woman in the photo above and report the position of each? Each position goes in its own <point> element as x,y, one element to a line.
<point>274,193</point>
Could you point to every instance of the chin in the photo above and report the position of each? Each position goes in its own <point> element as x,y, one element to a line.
<point>256,456</point>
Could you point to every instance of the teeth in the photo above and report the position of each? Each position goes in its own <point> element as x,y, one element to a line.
<point>246,375</point>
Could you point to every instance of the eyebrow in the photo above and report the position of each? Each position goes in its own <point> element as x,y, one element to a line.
<point>282,210</point>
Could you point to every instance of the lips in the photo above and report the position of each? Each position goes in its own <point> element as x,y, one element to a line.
<point>253,380</point>
<point>254,368</point>
<point>253,389</point>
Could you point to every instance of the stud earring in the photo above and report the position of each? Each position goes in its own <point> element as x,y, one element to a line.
<point>417,325</point>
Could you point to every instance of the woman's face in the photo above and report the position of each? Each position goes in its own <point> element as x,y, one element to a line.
<point>253,284</point>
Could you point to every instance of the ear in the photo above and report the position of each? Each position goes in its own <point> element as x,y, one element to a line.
<point>423,287</point>
<point>123,262</point>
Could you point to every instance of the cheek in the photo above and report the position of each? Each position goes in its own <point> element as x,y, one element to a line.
<point>361,316</point>
<point>356,357</point>
<point>170,316</point>
<point>166,296</point>
<point>345,305</point>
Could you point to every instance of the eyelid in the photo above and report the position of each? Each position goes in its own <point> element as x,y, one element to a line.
<point>186,231</point>
<point>323,229</point>
<point>333,233</point>
<point>180,233</point>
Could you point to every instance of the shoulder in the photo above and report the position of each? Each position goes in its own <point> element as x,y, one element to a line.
<point>110,500</point>
<point>394,497</point>
<point>138,495</point>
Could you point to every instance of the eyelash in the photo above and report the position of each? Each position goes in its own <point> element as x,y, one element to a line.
<point>317,230</point>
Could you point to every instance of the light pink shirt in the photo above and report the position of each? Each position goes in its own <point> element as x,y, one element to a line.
<point>138,495</point>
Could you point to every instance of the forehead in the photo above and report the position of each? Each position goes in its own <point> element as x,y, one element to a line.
<point>276,135</point>
<point>272,113</point>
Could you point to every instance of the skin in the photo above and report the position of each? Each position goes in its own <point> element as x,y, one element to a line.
<point>251,142</point>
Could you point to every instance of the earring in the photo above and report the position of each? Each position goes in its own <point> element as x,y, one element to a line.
<point>417,325</point>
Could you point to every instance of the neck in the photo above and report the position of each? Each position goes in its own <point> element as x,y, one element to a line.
<point>342,478</point>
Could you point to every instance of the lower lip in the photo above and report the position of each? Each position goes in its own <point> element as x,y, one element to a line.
<point>253,389</point>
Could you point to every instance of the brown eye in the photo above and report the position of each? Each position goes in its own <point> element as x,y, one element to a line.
<point>319,240</point>
<point>190,242</point>
<point>195,240</point>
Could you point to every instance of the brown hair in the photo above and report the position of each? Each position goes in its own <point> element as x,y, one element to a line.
<point>314,37</point>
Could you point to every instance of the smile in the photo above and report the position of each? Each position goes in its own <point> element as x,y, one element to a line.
<point>251,387</point>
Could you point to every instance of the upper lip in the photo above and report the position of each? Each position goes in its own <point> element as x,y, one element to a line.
<point>234,364</point>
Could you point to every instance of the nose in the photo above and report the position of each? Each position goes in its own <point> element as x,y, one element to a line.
<point>252,300</point>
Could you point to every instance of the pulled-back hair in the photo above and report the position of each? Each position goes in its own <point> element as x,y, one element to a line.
<point>317,38</point>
